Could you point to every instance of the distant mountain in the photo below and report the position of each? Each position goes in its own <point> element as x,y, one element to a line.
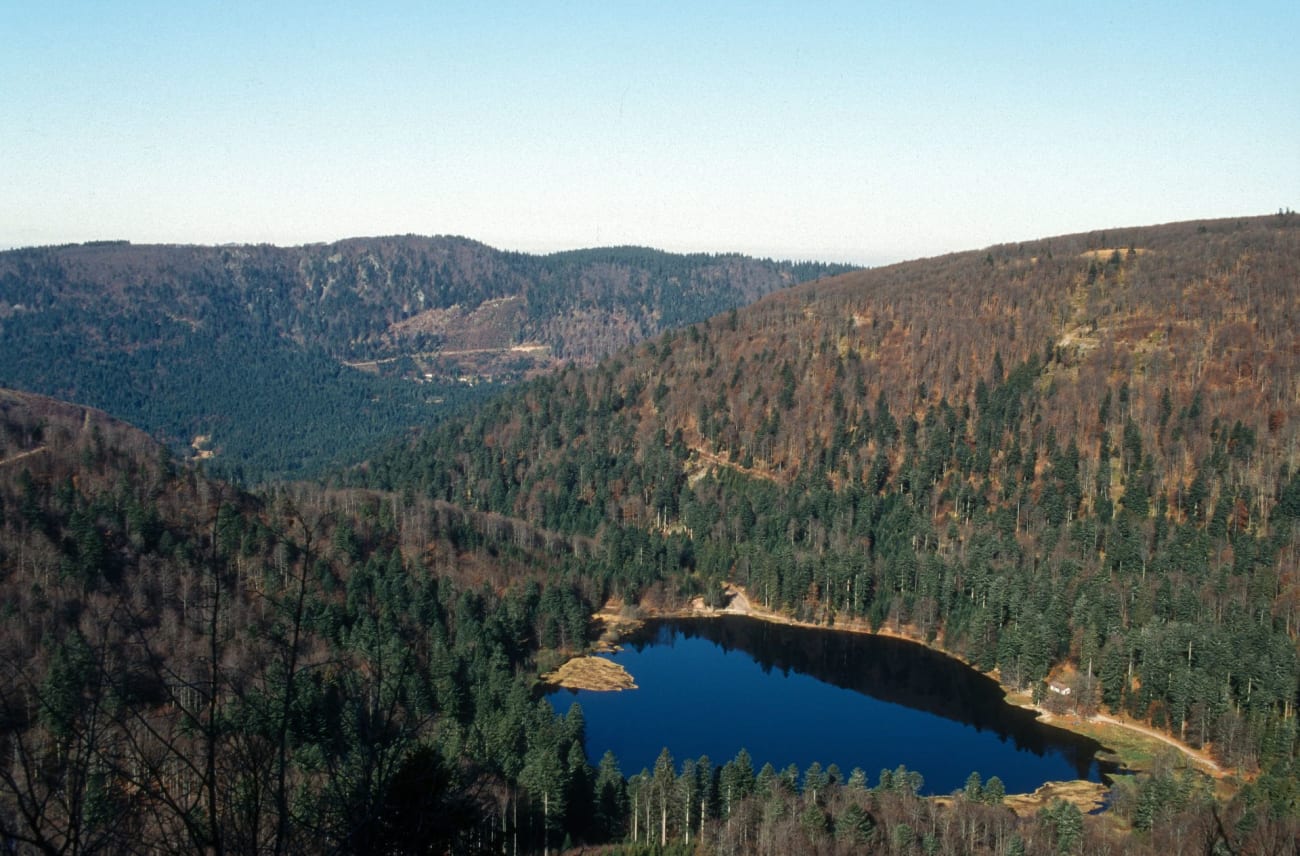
<point>1071,457</point>
<point>1176,329</point>
<point>278,360</point>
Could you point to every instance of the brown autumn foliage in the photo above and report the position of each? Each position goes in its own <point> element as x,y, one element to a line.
<point>1181,327</point>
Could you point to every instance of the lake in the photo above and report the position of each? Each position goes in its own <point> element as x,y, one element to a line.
<point>713,686</point>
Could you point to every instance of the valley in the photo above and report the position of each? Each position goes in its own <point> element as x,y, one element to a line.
<point>262,348</point>
<point>1068,464</point>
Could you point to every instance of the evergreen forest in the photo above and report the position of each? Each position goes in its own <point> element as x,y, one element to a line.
<point>1069,461</point>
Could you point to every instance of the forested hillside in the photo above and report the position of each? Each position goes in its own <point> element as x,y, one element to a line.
<point>188,668</point>
<point>279,361</point>
<point>185,668</point>
<point>1073,457</point>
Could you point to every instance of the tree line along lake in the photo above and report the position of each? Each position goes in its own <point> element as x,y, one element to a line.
<point>792,695</point>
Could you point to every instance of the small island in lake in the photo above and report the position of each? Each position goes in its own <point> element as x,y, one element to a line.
<point>590,673</point>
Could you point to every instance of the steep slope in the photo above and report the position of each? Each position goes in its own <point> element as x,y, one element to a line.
<point>1073,456</point>
<point>185,667</point>
<point>280,359</point>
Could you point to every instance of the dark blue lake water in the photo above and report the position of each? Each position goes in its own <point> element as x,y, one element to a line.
<point>797,695</point>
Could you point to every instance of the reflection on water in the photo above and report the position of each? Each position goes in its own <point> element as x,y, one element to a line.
<point>798,695</point>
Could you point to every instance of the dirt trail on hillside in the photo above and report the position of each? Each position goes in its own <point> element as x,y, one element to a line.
<point>1169,740</point>
<point>27,454</point>
<point>714,459</point>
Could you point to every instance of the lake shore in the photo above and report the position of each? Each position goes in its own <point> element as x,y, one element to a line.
<point>740,604</point>
<point>1134,745</point>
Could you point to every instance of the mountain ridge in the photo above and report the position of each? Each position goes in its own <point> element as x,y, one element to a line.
<point>1071,461</point>
<point>1074,456</point>
<point>259,347</point>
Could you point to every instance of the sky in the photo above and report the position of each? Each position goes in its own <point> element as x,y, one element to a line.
<point>860,132</point>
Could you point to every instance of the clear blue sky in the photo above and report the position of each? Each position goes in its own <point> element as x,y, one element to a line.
<point>865,132</point>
